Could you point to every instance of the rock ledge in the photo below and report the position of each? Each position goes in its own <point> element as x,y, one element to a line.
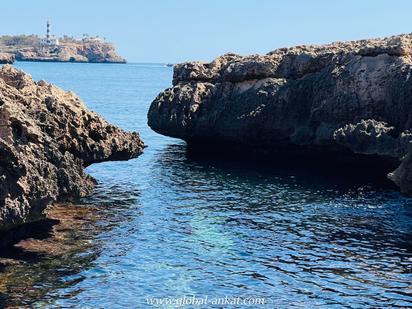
<point>47,138</point>
<point>346,96</point>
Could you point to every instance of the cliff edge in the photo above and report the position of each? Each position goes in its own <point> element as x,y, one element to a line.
<point>342,97</point>
<point>47,138</point>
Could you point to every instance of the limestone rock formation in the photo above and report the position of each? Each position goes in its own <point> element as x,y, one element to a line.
<point>6,58</point>
<point>30,48</point>
<point>47,138</point>
<point>350,96</point>
<point>95,53</point>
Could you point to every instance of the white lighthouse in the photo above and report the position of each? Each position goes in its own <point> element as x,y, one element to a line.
<point>49,40</point>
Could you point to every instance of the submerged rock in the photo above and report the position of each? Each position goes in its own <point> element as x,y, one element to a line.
<point>351,96</point>
<point>47,138</point>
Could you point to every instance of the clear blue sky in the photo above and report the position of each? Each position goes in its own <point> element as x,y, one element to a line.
<point>179,30</point>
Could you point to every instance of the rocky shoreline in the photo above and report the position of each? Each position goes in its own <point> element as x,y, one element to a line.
<point>352,97</point>
<point>313,101</point>
<point>31,48</point>
<point>47,138</point>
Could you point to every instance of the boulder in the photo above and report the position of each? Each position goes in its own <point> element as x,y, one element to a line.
<point>47,138</point>
<point>342,97</point>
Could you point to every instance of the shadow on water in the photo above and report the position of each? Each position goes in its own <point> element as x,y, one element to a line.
<point>288,183</point>
<point>309,166</point>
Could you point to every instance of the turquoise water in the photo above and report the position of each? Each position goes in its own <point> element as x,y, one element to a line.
<point>171,225</point>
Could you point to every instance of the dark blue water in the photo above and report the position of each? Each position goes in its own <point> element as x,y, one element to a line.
<point>171,225</point>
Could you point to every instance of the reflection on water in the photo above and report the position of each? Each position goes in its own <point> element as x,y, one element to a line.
<point>171,223</point>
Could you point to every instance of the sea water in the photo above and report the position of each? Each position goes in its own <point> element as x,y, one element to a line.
<point>168,226</point>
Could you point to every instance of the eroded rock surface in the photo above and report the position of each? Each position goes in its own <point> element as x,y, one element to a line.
<point>47,137</point>
<point>354,96</point>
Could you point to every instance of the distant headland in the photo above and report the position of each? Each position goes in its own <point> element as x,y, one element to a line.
<point>52,49</point>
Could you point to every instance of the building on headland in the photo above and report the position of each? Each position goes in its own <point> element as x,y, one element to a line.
<point>49,40</point>
<point>88,38</point>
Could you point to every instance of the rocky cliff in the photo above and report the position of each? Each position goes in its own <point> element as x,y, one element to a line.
<point>6,58</point>
<point>30,48</point>
<point>342,97</point>
<point>47,138</point>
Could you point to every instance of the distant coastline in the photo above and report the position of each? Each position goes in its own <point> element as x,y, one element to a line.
<point>65,49</point>
<point>65,61</point>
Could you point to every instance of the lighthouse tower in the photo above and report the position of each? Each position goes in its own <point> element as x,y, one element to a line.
<point>49,40</point>
<point>48,33</point>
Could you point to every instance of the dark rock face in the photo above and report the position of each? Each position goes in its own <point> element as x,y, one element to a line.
<point>351,96</point>
<point>6,58</point>
<point>47,137</point>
